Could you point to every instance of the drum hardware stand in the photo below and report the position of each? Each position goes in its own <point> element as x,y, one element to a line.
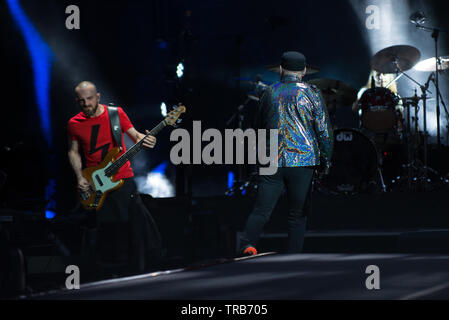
<point>421,168</point>
<point>382,183</point>
<point>413,164</point>
<point>424,89</point>
<point>379,170</point>
<point>424,100</point>
<point>435,34</point>
<point>407,140</point>
<point>435,82</point>
<point>419,20</point>
<point>399,72</point>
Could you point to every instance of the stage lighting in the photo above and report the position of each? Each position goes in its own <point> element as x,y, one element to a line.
<point>230,179</point>
<point>163,109</point>
<point>42,58</point>
<point>49,214</point>
<point>156,183</point>
<point>180,70</point>
<point>418,18</point>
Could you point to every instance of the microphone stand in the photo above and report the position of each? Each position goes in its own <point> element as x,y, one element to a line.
<point>240,117</point>
<point>435,34</point>
<point>259,87</point>
<point>424,98</point>
<point>445,109</point>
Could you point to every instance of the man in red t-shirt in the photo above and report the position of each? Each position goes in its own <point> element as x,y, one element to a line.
<point>91,130</point>
<point>126,230</point>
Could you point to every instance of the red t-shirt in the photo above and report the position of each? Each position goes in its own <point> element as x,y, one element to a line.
<point>94,135</point>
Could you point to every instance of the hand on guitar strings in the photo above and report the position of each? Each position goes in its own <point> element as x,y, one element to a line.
<point>149,141</point>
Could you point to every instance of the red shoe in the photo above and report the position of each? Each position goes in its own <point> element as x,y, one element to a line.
<point>249,251</point>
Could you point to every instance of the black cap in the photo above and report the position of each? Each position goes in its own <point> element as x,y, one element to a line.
<point>293,61</point>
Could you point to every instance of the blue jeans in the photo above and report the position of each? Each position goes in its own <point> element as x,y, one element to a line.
<point>297,181</point>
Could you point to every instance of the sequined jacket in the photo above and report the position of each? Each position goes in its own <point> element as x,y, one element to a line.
<point>297,110</point>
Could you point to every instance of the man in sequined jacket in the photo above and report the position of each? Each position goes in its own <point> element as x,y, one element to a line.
<point>305,141</point>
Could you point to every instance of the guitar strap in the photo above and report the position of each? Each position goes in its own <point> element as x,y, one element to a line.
<point>116,128</point>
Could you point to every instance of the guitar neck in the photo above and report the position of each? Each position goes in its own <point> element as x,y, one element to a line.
<point>131,152</point>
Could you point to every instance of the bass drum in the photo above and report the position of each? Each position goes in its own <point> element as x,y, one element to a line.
<point>378,107</point>
<point>354,164</point>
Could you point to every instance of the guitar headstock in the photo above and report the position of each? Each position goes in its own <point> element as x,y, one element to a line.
<point>173,115</point>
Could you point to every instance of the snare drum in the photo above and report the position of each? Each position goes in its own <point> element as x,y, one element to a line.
<point>378,107</point>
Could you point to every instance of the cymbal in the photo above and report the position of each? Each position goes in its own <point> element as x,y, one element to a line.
<point>405,56</point>
<point>429,65</point>
<point>309,69</point>
<point>335,92</point>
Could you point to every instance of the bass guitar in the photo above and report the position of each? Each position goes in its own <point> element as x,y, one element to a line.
<point>101,177</point>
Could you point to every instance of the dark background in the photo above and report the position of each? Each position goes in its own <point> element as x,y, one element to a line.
<point>130,49</point>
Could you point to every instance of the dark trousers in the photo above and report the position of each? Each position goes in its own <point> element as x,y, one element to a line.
<point>126,238</point>
<point>297,181</point>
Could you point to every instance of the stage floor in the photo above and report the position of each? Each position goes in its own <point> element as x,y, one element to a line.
<point>274,276</point>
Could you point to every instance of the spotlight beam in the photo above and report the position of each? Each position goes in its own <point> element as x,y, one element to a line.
<point>41,60</point>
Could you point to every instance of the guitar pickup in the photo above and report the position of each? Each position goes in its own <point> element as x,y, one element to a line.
<point>99,180</point>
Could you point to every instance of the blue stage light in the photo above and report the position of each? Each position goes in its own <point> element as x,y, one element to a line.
<point>49,214</point>
<point>230,179</point>
<point>156,183</point>
<point>160,168</point>
<point>41,61</point>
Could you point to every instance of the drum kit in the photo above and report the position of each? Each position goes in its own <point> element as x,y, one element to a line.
<point>387,151</point>
<point>377,149</point>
